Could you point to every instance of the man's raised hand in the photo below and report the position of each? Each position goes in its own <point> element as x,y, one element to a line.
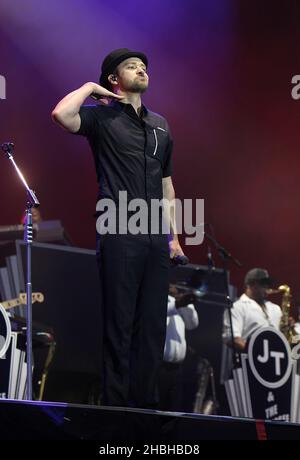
<point>101,93</point>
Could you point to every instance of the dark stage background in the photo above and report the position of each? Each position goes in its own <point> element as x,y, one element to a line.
<point>220,71</point>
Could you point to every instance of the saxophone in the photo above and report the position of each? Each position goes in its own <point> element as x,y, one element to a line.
<point>285,326</point>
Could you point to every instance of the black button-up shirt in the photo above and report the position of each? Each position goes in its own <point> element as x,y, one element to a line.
<point>131,153</point>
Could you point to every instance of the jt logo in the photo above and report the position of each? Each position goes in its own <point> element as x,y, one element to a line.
<point>2,87</point>
<point>277,355</point>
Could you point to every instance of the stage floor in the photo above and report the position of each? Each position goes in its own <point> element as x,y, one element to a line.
<point>31,420</point>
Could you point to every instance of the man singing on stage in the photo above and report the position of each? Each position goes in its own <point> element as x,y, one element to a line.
<point>132,149</point>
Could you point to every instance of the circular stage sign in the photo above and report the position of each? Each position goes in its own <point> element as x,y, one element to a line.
<point>269,355</point>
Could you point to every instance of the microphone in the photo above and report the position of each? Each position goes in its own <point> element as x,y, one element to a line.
<point>7,147</point>
<point>180,260</point>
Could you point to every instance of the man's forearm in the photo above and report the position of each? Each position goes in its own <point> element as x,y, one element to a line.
<point>169,195</point>
<point>239,343</point>
<point>67,110</point>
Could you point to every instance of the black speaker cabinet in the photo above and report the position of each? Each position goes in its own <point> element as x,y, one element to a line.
<point>68,278</point>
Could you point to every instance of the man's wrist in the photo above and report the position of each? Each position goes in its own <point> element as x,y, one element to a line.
<point>90,87</point>
<point>174,238</point>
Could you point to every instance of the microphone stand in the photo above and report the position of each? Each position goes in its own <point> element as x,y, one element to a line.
<point>226,256</point>
<point>210,260</point>
<point>32,201</point>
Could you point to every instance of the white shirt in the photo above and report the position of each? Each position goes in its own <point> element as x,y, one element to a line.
<point>178,320</point>
<point>248,316</point>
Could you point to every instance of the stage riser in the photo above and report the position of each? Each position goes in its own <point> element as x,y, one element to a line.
<point>47,421</point>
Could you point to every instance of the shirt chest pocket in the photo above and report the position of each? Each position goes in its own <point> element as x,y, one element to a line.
<point>157,143</point>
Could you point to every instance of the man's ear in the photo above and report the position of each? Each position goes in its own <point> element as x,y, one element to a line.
<point>113,79</point>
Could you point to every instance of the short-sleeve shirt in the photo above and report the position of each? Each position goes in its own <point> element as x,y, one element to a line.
<point>132,153</point>
<point>248,316</point>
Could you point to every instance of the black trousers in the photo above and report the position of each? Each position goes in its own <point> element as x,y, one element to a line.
<point>134,274</point>
<point>170,387</point>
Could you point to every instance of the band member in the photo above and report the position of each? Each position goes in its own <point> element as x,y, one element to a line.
<point>182,316</point>
<point>252,310</point>
<point>132,149</point>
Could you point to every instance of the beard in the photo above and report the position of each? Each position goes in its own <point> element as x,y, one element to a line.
<point>138,87</point>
